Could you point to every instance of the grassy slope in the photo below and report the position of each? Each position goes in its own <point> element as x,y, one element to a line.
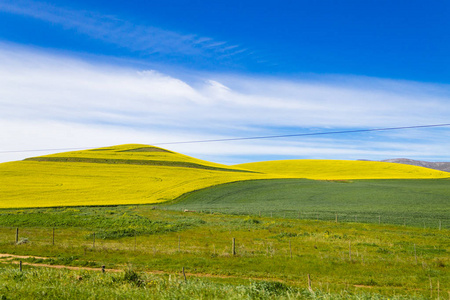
<point>137,174</point>
<point>413,201</point>
<point>343,169</point>
<point>384,259</point>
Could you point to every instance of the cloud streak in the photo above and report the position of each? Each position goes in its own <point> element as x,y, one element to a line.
<point>149,40</point>
<point>52,101</point>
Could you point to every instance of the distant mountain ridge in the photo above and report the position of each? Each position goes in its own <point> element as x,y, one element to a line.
<point>442,166</point>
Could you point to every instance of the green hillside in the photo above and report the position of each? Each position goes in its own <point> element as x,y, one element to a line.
<point>410,202</point>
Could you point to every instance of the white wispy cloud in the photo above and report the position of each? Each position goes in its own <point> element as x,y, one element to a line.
<point>125,34</point>
<point>55,101</point>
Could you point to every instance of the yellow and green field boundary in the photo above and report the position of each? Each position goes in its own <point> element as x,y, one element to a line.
<point>142,174</point>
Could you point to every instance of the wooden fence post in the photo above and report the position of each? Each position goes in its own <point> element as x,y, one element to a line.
<point>309,283</point>
<point>336,220</point>
<point>184,275</point>
<point>290,248</point>
<point>53,236</point>
<point>93,243</point>
<point>350,250</point>
<point>20,266</point>
<point>431,287</point>
<point>17,235</point>
<point>415,255</point>
<point>438,289</point>
<point>233,249</point>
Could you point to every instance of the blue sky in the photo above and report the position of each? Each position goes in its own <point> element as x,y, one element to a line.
<point>95,73</point>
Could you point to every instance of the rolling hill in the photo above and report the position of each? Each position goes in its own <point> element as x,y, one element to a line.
<point>342,169</point>
<point>140,174</point>
<point>125,174</point>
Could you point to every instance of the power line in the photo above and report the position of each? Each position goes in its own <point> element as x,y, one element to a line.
<point>254,137</point>
<point>302,134</point>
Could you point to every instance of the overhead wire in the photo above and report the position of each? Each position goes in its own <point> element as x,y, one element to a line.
<point>302,134</point>
<point>253,137</point>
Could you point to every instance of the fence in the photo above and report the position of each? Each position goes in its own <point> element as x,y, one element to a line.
<point>436,221</point>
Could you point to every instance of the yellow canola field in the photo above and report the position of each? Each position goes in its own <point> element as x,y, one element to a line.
<point>142,174</point>
<point>43,184</point>
<point>124,174</point>
<point>342,169</point>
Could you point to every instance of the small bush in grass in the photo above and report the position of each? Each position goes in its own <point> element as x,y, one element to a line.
<point>251,221</point>
<point>285,235</point>
<point>133,277</point>
<point>383,251</point>
<point>272,288</point>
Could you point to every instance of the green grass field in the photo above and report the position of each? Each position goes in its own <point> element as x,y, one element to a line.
<point>416,202</point>
<point>273,256</point>
<point>85,209</point>
<point>39,283</point>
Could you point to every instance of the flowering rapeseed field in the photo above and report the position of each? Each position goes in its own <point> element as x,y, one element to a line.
<point>109,176</point>
<point>343,169</point>
<point>140,174</point>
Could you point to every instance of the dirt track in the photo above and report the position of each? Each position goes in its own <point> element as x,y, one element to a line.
<point>6,258</point>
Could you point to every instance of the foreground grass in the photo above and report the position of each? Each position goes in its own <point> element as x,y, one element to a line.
<point>44,283</point>
<point>360,260</point>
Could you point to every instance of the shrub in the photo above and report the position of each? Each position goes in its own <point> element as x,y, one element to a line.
<point>272,288</point>
<point>133,277</point>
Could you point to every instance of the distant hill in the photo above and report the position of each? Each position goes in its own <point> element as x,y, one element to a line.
<point>135,173</point>
<point>442,166</point>
<point>341,169</point>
